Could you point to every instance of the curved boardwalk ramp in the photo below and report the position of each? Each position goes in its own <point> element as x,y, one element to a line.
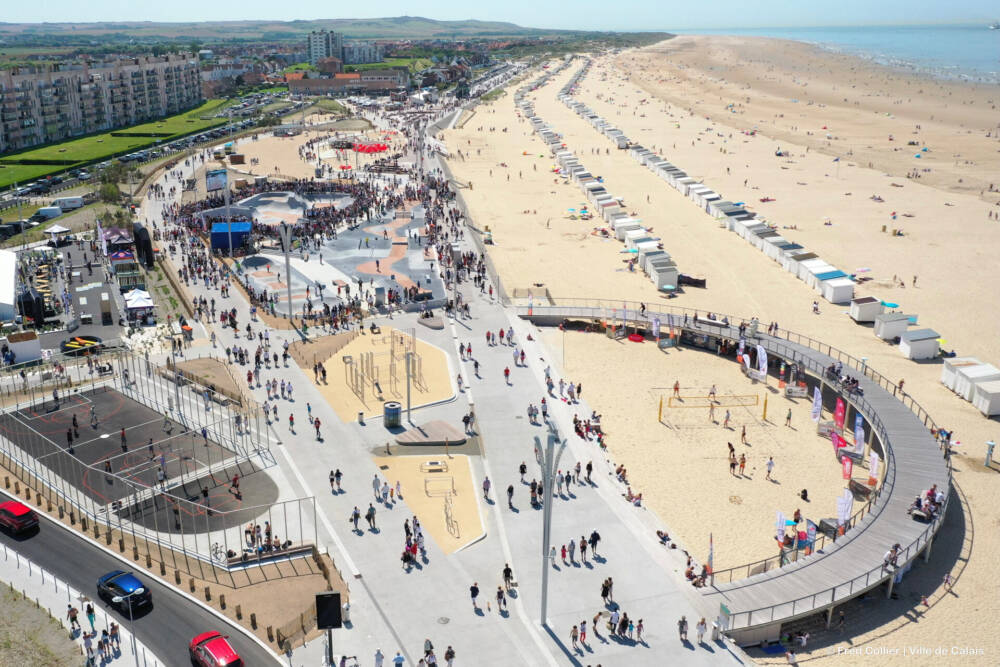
<point>757,605</point>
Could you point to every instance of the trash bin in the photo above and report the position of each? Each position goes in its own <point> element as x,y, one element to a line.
<point>361,416</point>
<point>345,615</point>
<point>392,412</point>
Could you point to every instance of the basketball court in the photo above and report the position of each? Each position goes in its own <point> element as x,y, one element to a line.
<point>123,474</point>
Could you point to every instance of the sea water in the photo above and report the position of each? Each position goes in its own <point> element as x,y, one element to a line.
<point>965,51</point>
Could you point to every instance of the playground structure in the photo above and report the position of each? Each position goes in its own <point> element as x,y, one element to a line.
<point>439,484</point>
<point>364,376</point>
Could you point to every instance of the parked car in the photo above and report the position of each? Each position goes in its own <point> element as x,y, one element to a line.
<point>17,518</point>
<point>211,649</point>
<point>123,589</point>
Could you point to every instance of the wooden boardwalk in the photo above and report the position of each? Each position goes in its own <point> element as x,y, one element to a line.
<point>853,564</point>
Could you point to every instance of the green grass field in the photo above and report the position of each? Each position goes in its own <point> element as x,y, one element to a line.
<point>98,147</point>
<point>414,64</point>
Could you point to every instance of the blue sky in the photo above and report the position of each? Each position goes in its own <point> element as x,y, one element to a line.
<point>572,14</point>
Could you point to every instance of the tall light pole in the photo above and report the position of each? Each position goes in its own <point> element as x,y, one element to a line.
<point>548,459</point>
<point>118,599</point>
<point>286,243</point>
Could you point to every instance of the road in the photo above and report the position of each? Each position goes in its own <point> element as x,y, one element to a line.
<point>165,630</point>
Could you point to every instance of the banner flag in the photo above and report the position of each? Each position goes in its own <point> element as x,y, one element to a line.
<point>873,464</point>
<point>711,554</point>
<point>746,360</point>
<point>762,359</point>
<point>845,503</point>
<point>811,532</point>
<point>848,466</point>
<point>838,442</point>
<point>531,304</point>
<point>656,327</point>
<point>742,345</point>
<point>859,434</point>
<point>839,413</point>
<point>779,526</point>
<point>817,410</point>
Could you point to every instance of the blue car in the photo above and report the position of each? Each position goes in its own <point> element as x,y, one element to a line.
<point>123,589</point>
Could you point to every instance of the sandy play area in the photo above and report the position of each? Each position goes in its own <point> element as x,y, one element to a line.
<point>441,492</point>
<point>686,456</point>
<point>367,381</point>
<point>946,244</point>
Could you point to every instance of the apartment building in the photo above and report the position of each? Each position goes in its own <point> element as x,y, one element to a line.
<point>40,105</point>
<point>362,53</point>
<point>324,44</point>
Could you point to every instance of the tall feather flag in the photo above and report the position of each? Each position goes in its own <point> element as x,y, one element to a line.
<point>711,554</point>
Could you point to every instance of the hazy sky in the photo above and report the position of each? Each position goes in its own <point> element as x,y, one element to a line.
<point>574,14</point>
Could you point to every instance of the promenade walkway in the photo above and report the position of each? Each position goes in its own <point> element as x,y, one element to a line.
<point>395,610</point>
<point>853,564</point>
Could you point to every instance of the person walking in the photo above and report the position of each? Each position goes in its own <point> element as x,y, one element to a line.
<point>583,632</point>
<point>501,599</point>
<point>595,538</point>
<point>604,592</point>
<point>71,614</point>
<point>743,435</point>
<point>474,593</point>
<point>510,496</point>
<point>91,616</point>
<point>486,488</point>
<point>449,656</point>
<point>574,636</point>
<point>770,466</point>
<point>572,550</point>
<point>508,576</point>
<point>639,627</point>
<point>700,630</point>
<point>583,550</point>
<point>523,469</point>
<point>355,516</point>
<point>370,516</point>
<point>788,418</point>
<point>376,485</point>
<point>682,628</point>
<point>590,469</point>
<point>743,463</point>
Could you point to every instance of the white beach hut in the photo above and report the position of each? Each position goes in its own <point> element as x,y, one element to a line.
<point>967,377</point>
<point>986,398</point>
<point>919,344</point>
<point>838,290</point>
<point>866,308</point>
<point>891,325</point>
<point>949,369</point>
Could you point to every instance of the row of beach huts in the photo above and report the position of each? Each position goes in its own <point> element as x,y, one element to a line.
<point>832,284</point>
<point>647,250</point>
<point>968,377</point>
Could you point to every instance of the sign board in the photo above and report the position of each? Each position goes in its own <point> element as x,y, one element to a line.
<point>215,180</point>
<point>328,611</point>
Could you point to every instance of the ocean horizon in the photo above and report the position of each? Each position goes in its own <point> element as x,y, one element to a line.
<point>956,51</point>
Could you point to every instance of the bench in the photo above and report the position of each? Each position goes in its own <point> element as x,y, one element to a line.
<point>253,557</point>
<point>434,466</point>
<point>920,515</point>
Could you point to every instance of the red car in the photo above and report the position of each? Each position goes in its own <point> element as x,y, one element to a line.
<point>17,517</point>
<point>211,649</point>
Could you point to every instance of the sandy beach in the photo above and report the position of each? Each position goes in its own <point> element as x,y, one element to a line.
<point>946,244</point>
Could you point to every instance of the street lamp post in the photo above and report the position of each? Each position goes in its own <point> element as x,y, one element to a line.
<point>286,243</point>
<point>118,599</point>
<point>548,459</point>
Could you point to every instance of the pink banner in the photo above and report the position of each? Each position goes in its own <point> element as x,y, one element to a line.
<point>848,466</point>
<point>839,414</point>
<point>838,442</point>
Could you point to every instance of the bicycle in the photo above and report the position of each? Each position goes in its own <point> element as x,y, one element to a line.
<point>219,553</point>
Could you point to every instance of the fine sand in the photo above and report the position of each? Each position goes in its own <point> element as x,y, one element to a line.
<point>947,244</point>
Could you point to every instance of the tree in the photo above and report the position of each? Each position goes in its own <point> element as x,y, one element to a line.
<point>109,193</point>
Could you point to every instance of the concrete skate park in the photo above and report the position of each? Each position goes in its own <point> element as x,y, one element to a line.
<point>386,253</point>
